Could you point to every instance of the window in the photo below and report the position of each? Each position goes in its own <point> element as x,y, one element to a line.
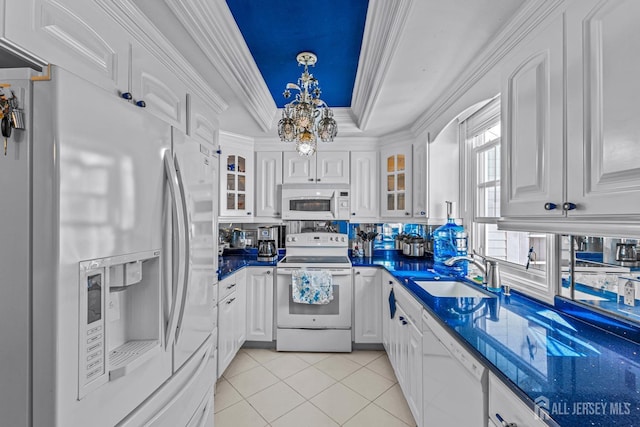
<point>523,253</point>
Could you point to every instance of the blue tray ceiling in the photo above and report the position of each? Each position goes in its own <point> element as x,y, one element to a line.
<point>277,30</point>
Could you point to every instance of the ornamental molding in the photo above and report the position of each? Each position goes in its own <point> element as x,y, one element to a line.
<point>384,25</point>
<point>213,28</point>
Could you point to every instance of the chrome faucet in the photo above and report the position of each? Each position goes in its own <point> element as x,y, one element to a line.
<point>490,271</point>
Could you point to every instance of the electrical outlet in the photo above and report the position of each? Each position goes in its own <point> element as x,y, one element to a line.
<point>629,293</point>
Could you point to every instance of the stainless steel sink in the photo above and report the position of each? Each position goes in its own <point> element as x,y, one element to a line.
<point>451,289</point>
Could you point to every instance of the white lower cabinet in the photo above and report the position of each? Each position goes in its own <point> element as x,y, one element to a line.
<point>367,305</point>
<point>505,408</point>
<point>405,340</point>
<point>260,286</point>
<point>231,318</point>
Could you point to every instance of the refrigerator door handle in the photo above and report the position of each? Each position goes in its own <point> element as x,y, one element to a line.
<point>177,292</point>
<point>187,245</point>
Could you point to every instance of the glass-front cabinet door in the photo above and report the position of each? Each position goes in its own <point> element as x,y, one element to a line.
<point>236,179</point>
<point>396,182</point>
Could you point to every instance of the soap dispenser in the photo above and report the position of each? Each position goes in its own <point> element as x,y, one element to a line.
<point>450,240</point>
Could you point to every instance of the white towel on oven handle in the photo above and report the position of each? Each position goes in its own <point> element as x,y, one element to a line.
<point>311,286</point>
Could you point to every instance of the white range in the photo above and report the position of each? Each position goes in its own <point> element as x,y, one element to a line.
<point>315,327</point>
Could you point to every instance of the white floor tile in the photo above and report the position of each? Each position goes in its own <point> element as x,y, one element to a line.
<point>339,402</point>
<point>313,358</point>
<point>262,355</point>
<point>383,367</point>
<point>374,416</point>
<point>252,381</point>
<point>240,414</point>
<point>393,401</point>
<point>266,388</point>
<point>310,381</point>
<point>367,383</point>
<point>305,415</point>
<point>275,401</point>
<point>337,366</point>
<point>241,363</point>
<point>363,357</point>
<point>286,365</point>
<point>225,395</point>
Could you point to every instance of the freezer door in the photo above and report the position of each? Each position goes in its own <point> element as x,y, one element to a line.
<point>194,163</point>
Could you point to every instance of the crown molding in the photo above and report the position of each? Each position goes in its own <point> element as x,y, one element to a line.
<point>211,25</point>
<point>226,137</point>
<point>527,19</point>
<point>384,26</point>
<point>127,14</point>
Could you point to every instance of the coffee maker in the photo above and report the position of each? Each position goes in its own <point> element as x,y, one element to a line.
<point>267,238</point>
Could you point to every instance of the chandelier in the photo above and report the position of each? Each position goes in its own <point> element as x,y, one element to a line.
<point>307,117</point>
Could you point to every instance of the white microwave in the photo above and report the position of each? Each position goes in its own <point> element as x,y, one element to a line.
<point>315,202</point>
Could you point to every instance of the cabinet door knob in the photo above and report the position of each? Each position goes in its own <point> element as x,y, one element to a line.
<point>231,300</point>
<point>353,213</point>
<point>318,180</point>
<point>248,213</point>
<point>276,213</point>
<point>423,213</point>
<point>407,213</point>
<point>404,322</point>
<point>550,206</point>
<point>568,206</point>
<point>141,104</point>
<point>310,179</point>
<point>126,95</point>
<point>268,271</point>
<point>357,273</point>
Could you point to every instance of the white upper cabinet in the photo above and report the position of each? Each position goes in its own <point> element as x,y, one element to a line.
<point>532,135</point>
<point>365,193</point>
<point>236,180</point>
<point>603,130</point>
<point>157,89</point>
<point>202,121</point>
<point>269,184</point>
<point>396,191</point>
<point>420,180</point>
<point>80,37</point>
<point>76,35</point>
<point>326,167</point>
<point>575,158</point>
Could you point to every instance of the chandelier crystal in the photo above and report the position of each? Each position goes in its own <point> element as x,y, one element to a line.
<point>306,118</point>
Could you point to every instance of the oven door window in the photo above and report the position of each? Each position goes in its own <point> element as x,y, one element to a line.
<point>333,308</point>
<point>310,205</point>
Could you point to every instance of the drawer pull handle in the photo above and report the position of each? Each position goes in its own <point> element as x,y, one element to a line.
<point>231,286</point>
<point>231,300</point>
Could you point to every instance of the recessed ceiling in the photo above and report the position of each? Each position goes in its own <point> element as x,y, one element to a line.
<point>278,30</point>
<point>402,69</point>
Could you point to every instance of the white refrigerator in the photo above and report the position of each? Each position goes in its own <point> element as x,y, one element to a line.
<point>109,286</point>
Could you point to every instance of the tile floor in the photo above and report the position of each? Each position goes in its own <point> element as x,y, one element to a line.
<point>263,387</point>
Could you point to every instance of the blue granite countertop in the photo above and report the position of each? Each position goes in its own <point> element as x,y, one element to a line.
<point>588,376</point>
<point>236,259</point>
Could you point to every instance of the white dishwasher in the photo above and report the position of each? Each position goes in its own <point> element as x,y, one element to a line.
<point>454,382</point>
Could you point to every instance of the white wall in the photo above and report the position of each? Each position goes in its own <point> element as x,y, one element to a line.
<point>444,174</point>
